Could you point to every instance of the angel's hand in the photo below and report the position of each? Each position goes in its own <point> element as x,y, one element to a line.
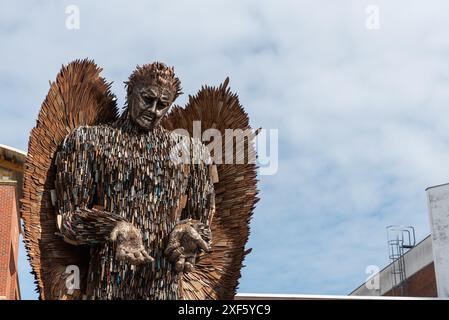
<point>186,239</point>
<point>129,245</point>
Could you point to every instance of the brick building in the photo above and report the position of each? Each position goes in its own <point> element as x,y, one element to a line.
<point>11,170</point>
<point>423,269</point>
<point>419,280</point>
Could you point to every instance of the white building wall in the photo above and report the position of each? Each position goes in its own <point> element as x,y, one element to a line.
<point>438,204</point>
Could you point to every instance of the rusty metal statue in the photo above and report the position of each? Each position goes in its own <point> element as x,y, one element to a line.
<point>108,194</point>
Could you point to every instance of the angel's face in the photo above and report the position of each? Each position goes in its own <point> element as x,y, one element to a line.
<point>149,105</point>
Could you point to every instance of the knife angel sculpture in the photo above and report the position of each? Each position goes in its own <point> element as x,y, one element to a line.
<point>133,205</point>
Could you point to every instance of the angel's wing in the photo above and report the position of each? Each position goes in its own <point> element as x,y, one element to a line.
<point>216,275</point>
<point>79,96</point>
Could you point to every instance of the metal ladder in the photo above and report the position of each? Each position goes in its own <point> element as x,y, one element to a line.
<point>400,240</point>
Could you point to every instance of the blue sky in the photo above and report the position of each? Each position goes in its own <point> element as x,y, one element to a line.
<point>362,114</point>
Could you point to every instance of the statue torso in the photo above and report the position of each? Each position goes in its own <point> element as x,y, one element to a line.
<point>135,177</point>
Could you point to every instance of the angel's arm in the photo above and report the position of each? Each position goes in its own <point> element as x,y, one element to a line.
<point>80,222</point>
<point>193,232</point>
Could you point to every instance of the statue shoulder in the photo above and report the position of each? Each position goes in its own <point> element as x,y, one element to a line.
<point>86,136</point>
<point>200,152</point>
<point>85,131</point>
<point>184,136</point>
<point>191,148</point>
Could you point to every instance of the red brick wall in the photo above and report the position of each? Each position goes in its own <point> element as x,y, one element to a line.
<point>9,240</point>
<point>421,284</point>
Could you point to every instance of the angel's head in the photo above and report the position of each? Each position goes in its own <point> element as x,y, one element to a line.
<point>151,90</point>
